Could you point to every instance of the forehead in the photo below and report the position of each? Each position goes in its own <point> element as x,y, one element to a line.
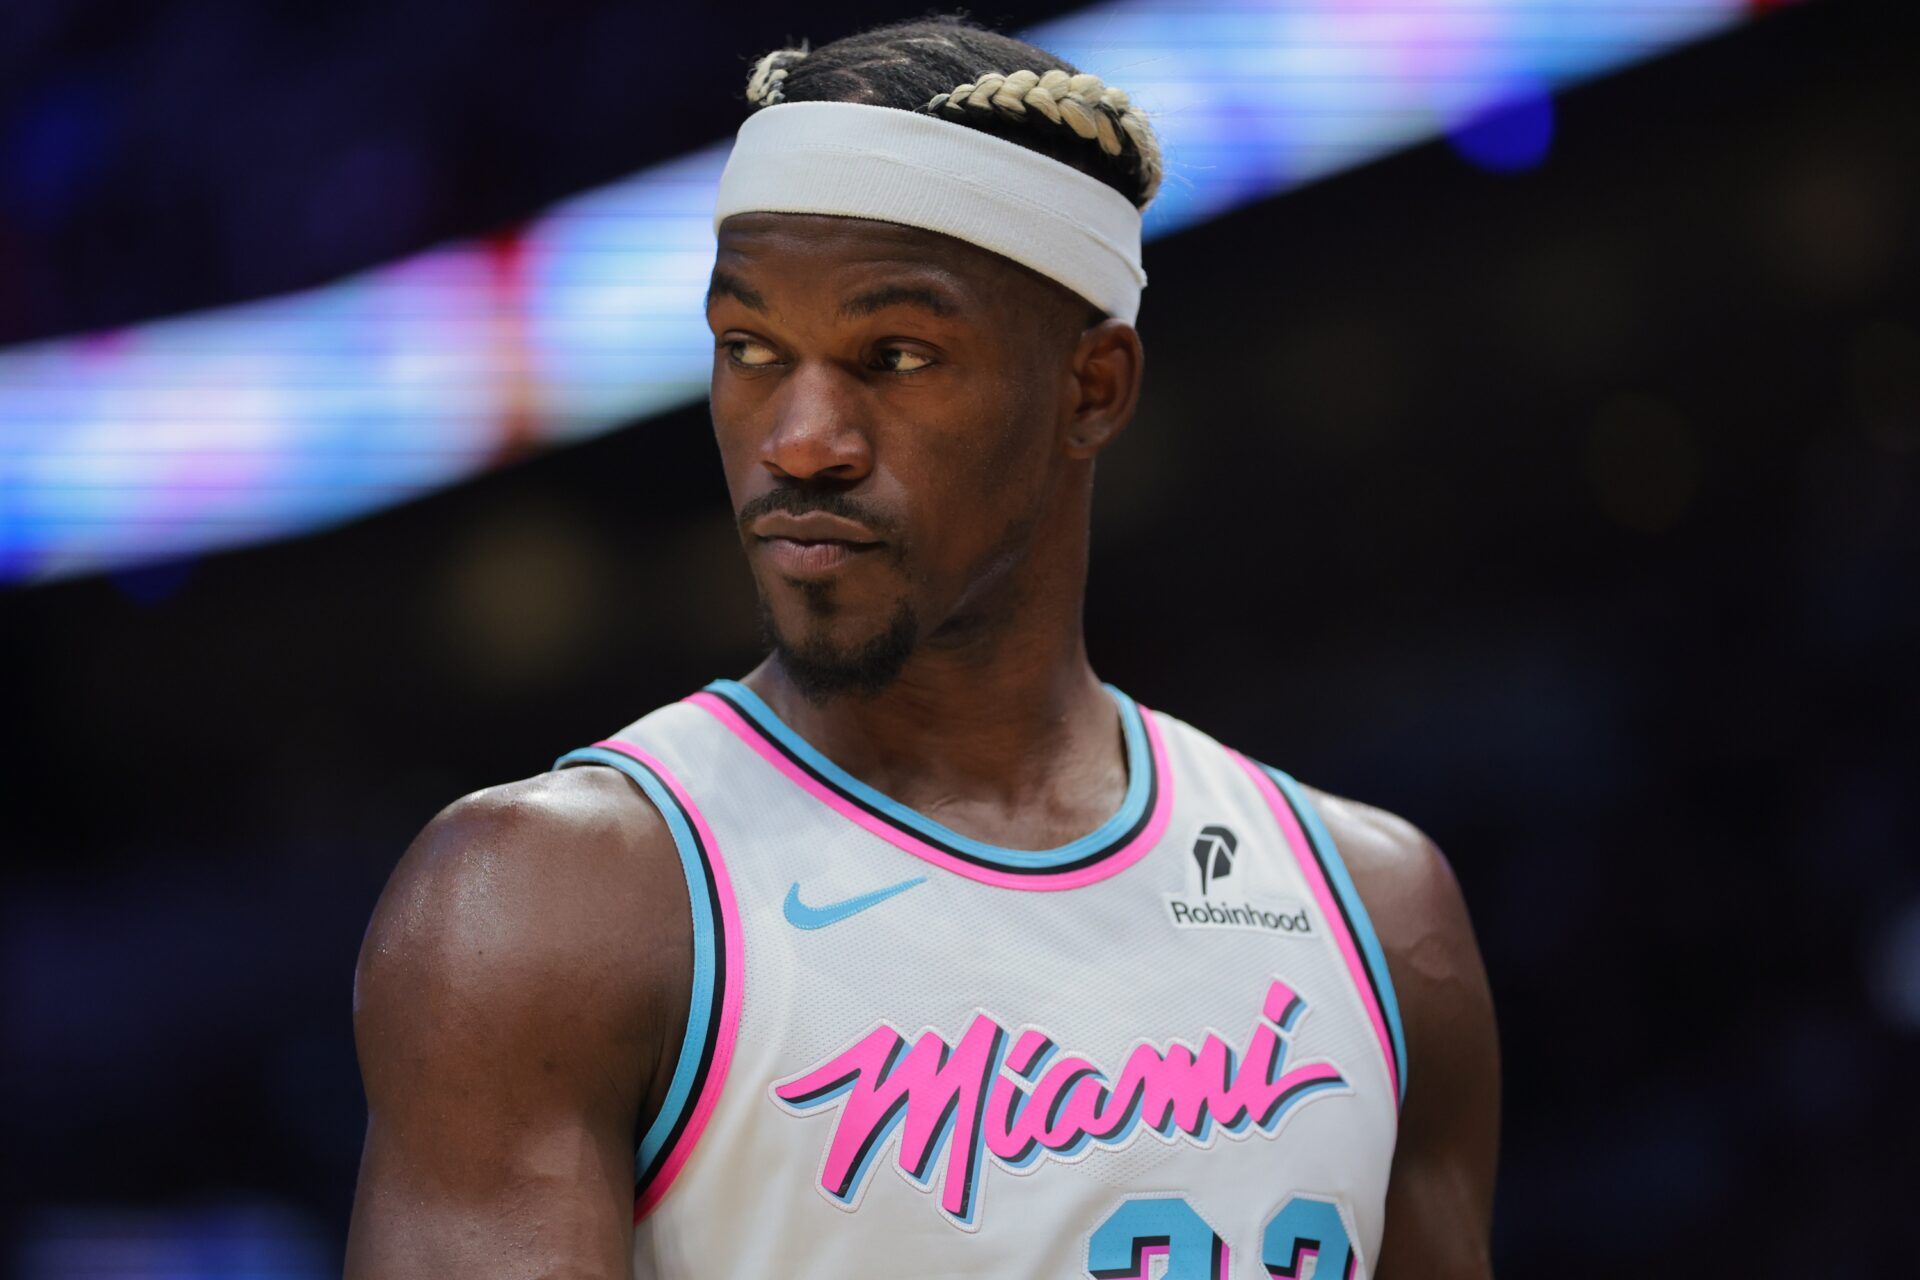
<point>811,251</point>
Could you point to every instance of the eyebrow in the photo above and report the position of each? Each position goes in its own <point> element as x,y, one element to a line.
<point>723,285</point>
<point>899,295</point>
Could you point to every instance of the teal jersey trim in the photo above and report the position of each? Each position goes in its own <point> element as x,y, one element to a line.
<point>1133,807</point>
<point>1356,912</point>
<point>686,1069</point>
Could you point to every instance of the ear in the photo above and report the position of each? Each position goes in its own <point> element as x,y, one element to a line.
<point>1106,370</point>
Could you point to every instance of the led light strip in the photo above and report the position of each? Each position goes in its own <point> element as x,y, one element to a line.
<point>248,422</point>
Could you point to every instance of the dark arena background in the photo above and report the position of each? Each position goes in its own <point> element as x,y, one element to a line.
<point>1542,467</point>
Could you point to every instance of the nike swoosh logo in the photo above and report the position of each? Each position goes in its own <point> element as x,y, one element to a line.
<point>802,916</point>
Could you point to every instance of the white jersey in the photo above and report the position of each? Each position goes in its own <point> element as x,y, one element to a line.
<point>1169,1048</point>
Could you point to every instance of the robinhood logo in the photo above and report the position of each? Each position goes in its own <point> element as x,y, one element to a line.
<point>1287,918</point>
<point>1218,906</point>
<point>1213,851</point>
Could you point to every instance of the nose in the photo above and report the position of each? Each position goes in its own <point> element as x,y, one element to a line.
<point>819,427</point>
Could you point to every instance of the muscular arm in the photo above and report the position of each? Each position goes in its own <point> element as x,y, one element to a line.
<point>1440,1198</point>
<point>519,998</point>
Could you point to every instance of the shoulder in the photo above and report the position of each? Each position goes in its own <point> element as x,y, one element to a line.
<point>1420,918</point>
<point>1440,1197</point>
<point>573,842</point>
<point>523,980</point>
<point>1405,881</point>
<point>527,904</point>
<point>569,819</point>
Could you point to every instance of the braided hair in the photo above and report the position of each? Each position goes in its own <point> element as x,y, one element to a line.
<point>961,72</point>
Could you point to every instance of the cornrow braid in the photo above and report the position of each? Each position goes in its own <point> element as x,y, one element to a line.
<point>764,82</point>
<point>932,66</point>
<point>1082,102</point>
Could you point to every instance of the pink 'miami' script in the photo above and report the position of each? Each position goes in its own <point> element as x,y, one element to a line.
<point>1012,1099</point>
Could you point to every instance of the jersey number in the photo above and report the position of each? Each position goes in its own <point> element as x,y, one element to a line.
<point>1147,1228</point>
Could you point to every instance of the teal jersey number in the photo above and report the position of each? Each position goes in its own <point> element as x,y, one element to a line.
<point>1307,1227</point>
<point>1147,1228</point>
<point>1125,1246</point>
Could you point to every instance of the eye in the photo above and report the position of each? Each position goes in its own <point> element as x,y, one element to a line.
<point>750,354</point>
<point>901,360</point>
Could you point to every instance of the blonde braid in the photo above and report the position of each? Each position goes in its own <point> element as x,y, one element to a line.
<point>763,83</point>
<point>1084,103</point>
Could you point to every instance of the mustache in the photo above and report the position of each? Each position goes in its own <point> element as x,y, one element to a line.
<point>800,499</point>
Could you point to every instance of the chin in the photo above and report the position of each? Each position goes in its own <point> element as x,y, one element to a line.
<point>827,657</point>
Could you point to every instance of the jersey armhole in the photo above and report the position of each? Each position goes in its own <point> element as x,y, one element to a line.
<point>713,1011</point>
<point>1353,914</point>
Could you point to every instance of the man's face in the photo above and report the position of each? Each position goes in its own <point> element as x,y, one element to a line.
<point>887,403</point>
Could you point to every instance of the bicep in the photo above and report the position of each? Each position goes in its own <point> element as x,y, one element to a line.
<point>490,1194</point>
<point>503,1028</point>
<point>1440,1192</point>
<point>1440,1197</point>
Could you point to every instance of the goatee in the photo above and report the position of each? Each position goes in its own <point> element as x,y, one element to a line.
<point>822,671</point>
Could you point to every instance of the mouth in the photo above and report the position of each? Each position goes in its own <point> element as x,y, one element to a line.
<point>812,544</point>
<point>813,557</point>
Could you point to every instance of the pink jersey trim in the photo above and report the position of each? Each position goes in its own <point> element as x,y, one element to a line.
<point>1114,863</point>
<point>1329,909</point>
<point>730,995</point>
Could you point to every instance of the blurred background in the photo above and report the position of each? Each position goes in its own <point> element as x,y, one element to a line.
<point>1529,447</point>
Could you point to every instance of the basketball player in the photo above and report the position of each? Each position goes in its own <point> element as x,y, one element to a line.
<point>918,951</point>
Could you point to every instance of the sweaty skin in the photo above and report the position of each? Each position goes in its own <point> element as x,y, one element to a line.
<point>523,985</point>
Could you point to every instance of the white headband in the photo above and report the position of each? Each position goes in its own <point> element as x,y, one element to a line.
<point>860,161</point>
